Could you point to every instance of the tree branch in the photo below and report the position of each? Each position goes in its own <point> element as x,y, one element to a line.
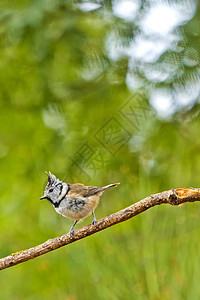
<point>173,197</point>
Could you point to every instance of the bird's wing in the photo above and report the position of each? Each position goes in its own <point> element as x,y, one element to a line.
<point>82,190</point>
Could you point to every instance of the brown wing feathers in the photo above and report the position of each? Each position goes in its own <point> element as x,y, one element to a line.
<point>86,191</point>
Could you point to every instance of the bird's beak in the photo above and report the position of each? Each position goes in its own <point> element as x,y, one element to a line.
<point>43,197</point>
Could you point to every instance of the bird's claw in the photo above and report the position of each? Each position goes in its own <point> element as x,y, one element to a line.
<point>94,222</point>
<point>71,232</point>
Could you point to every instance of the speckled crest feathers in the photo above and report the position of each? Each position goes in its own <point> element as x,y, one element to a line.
<point>52,180</point>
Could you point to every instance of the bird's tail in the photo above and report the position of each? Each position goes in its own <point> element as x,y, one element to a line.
<point>108,186</point>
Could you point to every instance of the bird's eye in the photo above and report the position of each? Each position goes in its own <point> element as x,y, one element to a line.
<point>51,190</point>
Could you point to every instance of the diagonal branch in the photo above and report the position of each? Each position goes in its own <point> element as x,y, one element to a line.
<point>173,197</point>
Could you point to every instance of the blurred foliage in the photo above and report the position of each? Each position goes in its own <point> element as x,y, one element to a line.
<point>66,107</point>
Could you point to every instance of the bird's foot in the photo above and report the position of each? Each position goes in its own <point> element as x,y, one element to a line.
<point>94,222</point>
<point>71,232</point>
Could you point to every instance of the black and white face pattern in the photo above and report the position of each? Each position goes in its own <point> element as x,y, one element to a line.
<point>55,190</point>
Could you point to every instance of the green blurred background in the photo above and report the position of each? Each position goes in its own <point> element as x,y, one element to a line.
<point>100,92</point>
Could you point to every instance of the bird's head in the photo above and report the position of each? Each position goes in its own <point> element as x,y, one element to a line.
<point>55,190</point>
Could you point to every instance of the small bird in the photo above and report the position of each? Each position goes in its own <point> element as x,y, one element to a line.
<point>73,201</point>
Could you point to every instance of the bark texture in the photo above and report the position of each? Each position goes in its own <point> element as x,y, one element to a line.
<point>174,197</point>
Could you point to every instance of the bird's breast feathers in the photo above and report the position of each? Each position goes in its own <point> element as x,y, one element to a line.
<point>77,207</point>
